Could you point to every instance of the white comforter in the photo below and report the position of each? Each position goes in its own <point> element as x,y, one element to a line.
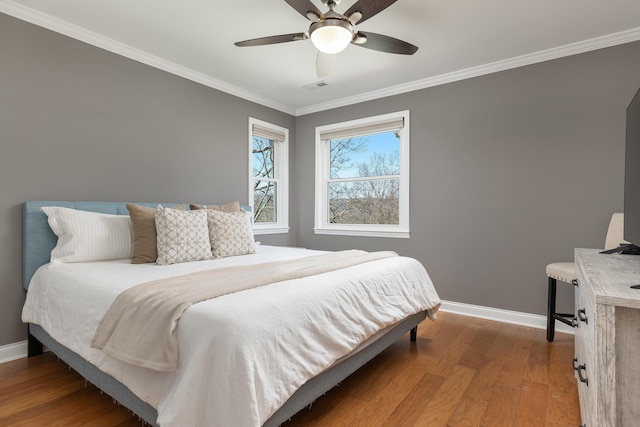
<point>242,355</point>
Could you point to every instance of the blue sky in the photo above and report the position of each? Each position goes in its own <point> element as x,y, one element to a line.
<point>384,143</point>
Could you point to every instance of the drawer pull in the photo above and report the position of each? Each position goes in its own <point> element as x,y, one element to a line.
<point>583,368</point>
<point>582,315</point>
<point>574,282</point>
<point>580,369</point>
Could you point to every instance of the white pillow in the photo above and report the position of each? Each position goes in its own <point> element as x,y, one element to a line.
<point>182,236</point>
<point>88,236</point>
<point>230,233</point>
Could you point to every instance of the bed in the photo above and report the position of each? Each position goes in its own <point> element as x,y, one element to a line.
<point>171,398</point>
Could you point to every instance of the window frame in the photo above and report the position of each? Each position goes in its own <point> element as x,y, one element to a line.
<point>280,177</point>
<point>322,178</point>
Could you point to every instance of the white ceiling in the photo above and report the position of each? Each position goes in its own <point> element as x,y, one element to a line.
<point>456,39</point>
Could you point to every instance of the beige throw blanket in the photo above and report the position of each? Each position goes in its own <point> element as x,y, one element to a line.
<point>140,326</point>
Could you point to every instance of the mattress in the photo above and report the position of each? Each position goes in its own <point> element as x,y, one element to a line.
<point>242,355</point>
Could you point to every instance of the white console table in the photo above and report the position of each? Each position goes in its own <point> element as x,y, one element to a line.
<point>607,340</point>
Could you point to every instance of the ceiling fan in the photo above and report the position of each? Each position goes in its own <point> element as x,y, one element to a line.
<point>331,32</point>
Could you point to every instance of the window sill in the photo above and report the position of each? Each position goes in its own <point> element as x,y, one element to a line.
<point>270,230</point>
<point>364,233</point>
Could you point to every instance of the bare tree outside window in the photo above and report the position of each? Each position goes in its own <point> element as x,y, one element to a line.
<point>264,185</point>
<point>362,177</point>
<point>268,183</point>
<point>364,183</point>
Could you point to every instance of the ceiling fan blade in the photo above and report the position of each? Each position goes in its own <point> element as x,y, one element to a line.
<point>368,8</point>
<point>388,44</point>
<point>324,63</point>
<point>261,41</point>
<point>304,7</point>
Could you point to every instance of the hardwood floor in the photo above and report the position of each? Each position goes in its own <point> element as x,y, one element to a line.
<point>461,371</point>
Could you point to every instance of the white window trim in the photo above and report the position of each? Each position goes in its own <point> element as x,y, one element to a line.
<point>322,226</point>
<point>281,174</point>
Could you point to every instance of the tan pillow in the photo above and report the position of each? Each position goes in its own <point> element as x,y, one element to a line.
<point>145,243</point>
<point>227,207</point>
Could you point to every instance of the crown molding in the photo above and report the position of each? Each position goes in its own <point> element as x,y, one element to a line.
<point>54,24</point>
<point>63,27</point>
<point>481,70</point>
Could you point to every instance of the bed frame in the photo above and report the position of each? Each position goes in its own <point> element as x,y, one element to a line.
<point>39,240</point>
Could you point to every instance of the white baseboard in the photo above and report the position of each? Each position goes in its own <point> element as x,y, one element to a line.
<point>18,350</point>
<point>13,351</point>
<point>537,321</point>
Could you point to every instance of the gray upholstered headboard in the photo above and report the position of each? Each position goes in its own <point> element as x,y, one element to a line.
<point>38,240</point>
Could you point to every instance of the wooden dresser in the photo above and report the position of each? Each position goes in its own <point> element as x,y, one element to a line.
<point>607,340</point>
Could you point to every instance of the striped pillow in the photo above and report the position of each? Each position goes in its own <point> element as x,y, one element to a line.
<point>88,236</point>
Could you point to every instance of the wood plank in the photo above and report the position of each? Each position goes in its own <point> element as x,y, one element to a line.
<point>562,384</point>
<point>407,412</point>
<point>400,379</point>
<point>539,360</point>
<point>486,377</point>
<point>475,355</point>
<point>458,342</point>
<point>517,357</point>
<point>468,413</point>
<point>502,408</point>
<point>444,403</point>
<point>532,408</point>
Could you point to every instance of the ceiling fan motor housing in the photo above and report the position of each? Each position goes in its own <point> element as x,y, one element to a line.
<point>331,3</point>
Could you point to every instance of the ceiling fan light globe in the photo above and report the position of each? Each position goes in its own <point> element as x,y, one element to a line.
<point>331,36</point>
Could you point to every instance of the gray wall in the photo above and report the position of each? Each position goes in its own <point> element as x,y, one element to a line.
<point>80,123</point>
<point>509,172</point>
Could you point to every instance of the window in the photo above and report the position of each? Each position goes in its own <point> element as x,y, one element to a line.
<point>362,177</point>
<point>269,177</point>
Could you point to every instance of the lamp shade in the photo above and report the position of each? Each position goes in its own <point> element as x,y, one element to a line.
<point>331,35</point>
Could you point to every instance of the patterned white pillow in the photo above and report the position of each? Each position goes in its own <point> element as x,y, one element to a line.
<point>182,236</point>
<point>230,233</point>
<point>85,236</point>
